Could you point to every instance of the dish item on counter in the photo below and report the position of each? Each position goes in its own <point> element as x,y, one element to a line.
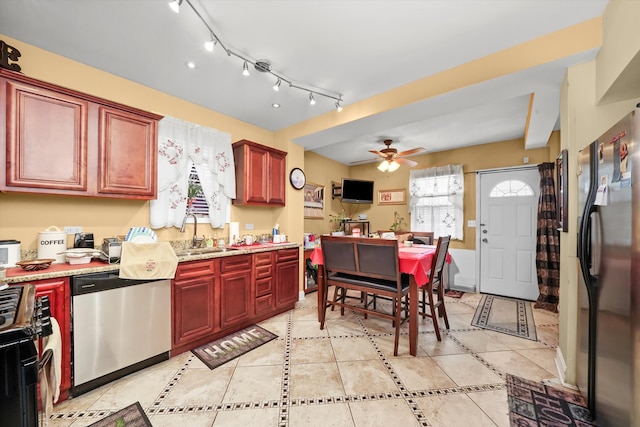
<point>35,264</point>
<point>80,252</point>
<point>81,259</point>
<point>135,232</point>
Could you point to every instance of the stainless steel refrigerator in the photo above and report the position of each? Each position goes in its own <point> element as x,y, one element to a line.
<point>609,289</point>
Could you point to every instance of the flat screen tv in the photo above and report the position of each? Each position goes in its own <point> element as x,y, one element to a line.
<point>357,191</point>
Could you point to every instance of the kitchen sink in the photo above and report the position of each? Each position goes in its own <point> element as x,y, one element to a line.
<point>201,251</point>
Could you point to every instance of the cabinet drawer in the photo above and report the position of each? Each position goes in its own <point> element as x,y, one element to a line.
<point>263,304</point>
<point>263,258</point>
<point>264,286</point>
<point>263,271</point>
<point>287,254</point>
<point>191,269</point>
<point>236,262</point>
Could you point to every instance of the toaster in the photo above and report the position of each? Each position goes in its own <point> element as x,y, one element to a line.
<point>112,248</point>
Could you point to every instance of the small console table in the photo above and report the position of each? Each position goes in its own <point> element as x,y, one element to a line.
<point>350,224</point>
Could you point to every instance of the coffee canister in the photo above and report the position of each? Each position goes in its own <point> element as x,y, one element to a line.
<point>51,242</point>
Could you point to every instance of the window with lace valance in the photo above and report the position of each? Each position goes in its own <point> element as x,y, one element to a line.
<point>183,146</point>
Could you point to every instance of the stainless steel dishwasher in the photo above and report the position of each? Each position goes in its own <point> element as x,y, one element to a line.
<point>119,326</point>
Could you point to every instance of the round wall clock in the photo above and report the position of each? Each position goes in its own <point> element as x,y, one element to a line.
<point>297,178</point>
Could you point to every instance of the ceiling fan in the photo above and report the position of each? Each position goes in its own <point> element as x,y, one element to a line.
<point>391,159</point>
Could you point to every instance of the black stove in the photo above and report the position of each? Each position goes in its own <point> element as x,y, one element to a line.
<point>23,318</point>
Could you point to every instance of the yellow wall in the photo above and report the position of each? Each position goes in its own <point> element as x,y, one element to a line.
<point>488,156</point>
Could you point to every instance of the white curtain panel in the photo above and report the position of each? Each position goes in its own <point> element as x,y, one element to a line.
<point>180,145</point>
<point>436,200</point>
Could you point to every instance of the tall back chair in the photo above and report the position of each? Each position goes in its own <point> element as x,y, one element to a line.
<point>428,305</point>
<point>369,266</point>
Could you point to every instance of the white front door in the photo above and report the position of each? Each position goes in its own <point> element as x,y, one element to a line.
<point>508,202</point>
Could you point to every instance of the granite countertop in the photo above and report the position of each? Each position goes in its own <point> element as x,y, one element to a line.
<point>18,275</point>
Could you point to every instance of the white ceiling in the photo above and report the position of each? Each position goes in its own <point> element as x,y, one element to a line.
<point>355,49</point>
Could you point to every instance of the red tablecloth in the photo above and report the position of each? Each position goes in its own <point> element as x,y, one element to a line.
<point>415,260</point>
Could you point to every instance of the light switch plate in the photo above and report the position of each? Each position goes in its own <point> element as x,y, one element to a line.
<point>471,223</point>
<point>72,229</point>
<point>248,227</point>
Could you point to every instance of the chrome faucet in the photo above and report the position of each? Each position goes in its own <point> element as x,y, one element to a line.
<point>197,241</point>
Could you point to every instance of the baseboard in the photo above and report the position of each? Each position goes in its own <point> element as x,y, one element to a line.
<point>463,288</point>
<point>301,296</point>
<point>561,368</point>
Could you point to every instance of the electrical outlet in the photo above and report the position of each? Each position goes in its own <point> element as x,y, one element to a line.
<point>72,229</point>
<point>248,227</point>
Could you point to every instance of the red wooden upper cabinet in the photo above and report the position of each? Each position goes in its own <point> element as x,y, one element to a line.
<point>260,174</point>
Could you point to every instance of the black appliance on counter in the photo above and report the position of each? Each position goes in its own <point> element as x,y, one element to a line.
<point>23,318</point>
<point>84,240</point>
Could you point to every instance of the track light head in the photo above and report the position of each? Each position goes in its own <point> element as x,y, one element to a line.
<point>338,106</point>
<point>175,5</point>
<point>210,44</point>
<point>245,69</point>
<point>276,86</point>
<point>312,100</point>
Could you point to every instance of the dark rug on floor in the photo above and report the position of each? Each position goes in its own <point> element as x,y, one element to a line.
<point>507,315</point>
<point>534,404</point>
<point>233,345</point>
<point>131,416</point>
<point>454,294</point>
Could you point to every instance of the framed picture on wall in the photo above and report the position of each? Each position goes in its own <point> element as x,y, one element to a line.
<point>313,201</point>
<point>561,190</point>
<point>392,197</point>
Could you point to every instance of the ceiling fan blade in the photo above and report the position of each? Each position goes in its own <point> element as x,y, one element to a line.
<point>412,151</point>
<point>378,153</point>
<point>405,162</point>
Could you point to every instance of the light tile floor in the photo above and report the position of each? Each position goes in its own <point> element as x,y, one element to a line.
<point>344,375</point>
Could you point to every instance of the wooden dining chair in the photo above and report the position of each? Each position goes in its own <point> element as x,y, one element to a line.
<point>369,266</point>
<point>427,306</point>
<point>422,237</point>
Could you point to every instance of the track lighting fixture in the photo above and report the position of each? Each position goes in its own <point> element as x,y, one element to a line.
<point>175,5</point>
<point>261,65</point>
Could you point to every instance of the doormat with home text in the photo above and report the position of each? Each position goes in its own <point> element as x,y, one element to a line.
<point>233,345</point>
<point>131,416</point>
<point>533,404</point>
<point>507,315</point>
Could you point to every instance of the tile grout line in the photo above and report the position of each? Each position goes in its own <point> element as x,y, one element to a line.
<point>405,394</point>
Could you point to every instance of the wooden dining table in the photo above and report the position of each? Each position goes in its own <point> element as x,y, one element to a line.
<point>415,261</point>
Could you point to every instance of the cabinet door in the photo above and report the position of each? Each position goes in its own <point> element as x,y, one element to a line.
<point>193,309</point>
<point>257,176</point>
<point>46,140</point>
<point>127,148</point>
<point>287,280</point>
<point>236,302</point>
<point>193,302</point>
<point>58,291</point>
<point>277,172</point>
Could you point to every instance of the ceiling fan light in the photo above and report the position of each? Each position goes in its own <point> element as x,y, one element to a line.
<point>393,166</point>
<point>175,5</point>
<point>383,166</point>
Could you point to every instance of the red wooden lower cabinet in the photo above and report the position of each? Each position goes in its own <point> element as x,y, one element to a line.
<point>213,298</point>
<point>59,293</point>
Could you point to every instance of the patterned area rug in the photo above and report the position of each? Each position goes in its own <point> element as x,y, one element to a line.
<point>534,404</point>
<point>131,416</point>
<point>454,294</point>
<point>233,345</point>
<point>507,315</point>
